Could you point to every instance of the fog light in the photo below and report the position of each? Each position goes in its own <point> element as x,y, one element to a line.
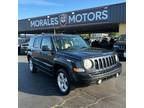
<point>117,74</point>
<point>99,81</point>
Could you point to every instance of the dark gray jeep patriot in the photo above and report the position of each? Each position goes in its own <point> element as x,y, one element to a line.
<point>71,60</point>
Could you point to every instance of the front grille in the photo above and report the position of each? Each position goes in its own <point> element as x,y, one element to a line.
<point>104,62</point>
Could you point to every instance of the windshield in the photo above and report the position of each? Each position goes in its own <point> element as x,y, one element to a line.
<point>70,42</point>
<point>122,38</point>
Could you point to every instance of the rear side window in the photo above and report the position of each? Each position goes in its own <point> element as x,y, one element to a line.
<point>37,42</point>
<point>47,42</point>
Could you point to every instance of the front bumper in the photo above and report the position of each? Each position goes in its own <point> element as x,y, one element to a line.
<point>87,77</point>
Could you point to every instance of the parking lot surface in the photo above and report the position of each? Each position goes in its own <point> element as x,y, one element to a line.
<point>39,91</point>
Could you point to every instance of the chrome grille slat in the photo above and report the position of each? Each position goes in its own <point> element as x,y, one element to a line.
<point>96,64</point>
<point>114,59</point>
<point>106,62</point>
<point>100,63</point>
<point>111,60</point>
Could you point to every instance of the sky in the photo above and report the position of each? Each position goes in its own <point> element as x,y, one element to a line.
<point>35,8</point>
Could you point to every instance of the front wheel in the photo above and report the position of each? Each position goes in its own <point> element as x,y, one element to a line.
<point>63,82</point>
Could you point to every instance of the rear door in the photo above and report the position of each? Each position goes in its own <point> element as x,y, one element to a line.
<point>36,50</point>
<point>47,56</point>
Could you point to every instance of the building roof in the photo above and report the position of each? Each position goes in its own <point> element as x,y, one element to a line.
<point>99,19</point>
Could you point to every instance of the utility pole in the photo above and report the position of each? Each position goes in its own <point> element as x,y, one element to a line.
<point>89,35</point>
<point>25,35</point>
<point>54,31</point>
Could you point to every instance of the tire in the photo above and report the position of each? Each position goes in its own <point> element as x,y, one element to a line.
<point>63,82</point>
<point>32,66</point>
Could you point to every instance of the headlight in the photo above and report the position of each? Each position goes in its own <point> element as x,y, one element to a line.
<point>116,57</point>
<point>88,64</point>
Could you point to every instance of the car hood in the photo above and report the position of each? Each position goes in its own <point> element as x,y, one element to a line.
<point>86,53</point>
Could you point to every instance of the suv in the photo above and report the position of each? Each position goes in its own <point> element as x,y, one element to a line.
<point>23,45</point>
<point>120,46</point>
<point>23,48</point>
<point>71,60</point>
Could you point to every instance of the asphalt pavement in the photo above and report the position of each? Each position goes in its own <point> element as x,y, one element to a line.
<point>39,91</point>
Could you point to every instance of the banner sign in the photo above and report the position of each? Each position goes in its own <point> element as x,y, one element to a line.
<point>71,18</point>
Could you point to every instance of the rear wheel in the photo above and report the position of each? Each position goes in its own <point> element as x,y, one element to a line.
<point>63,82</point>
<point>32,66</point>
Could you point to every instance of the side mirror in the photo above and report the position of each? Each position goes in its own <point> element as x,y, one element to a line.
<point>45,48</point>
